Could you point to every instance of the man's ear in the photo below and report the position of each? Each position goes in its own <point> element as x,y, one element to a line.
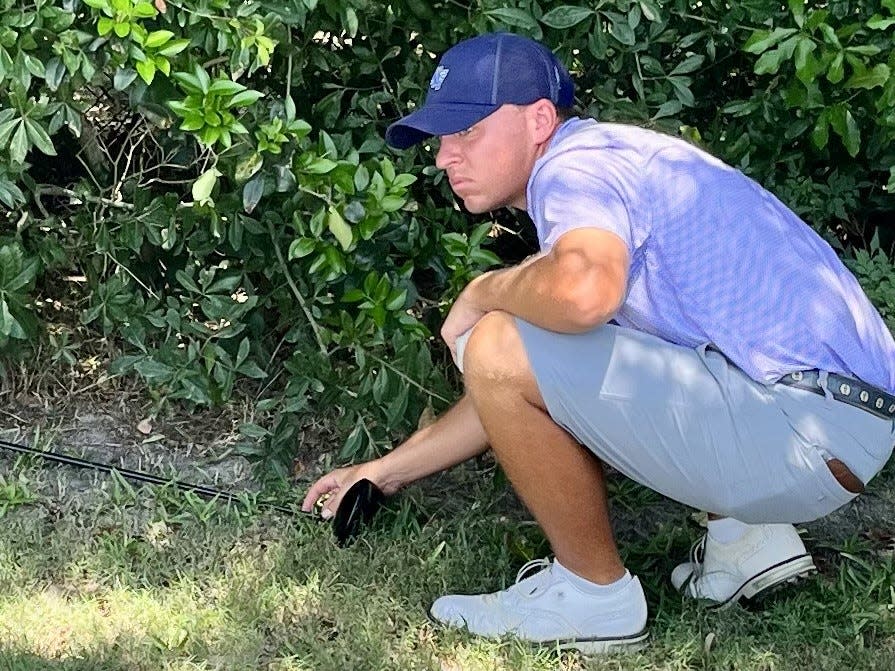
<point>544,119</point>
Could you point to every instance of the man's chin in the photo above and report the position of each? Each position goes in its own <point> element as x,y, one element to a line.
<point>478,206</point>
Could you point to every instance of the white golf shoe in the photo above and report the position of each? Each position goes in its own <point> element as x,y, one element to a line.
<point>765,556</point>
<point>550,606</point>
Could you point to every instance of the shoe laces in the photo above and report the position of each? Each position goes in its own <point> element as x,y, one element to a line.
<point>697,551</point>
<point>533,571</point>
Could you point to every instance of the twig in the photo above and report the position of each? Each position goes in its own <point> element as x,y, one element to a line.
<point>60,191</point>
<point>409,379</point>
<point>134,277</point>
<point>301,301</point>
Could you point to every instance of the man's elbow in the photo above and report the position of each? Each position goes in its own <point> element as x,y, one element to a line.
<point>589,309</point>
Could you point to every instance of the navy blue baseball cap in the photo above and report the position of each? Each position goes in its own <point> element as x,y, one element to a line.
<point>477,76</point>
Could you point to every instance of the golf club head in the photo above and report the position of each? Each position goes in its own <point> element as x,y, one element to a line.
<point>356,509</point>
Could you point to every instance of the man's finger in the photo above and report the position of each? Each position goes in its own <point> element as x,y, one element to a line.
<point>323,486</point>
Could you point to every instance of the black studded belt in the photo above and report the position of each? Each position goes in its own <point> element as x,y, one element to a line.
<point>846,389</point>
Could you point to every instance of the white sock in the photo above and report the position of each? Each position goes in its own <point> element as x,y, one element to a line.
<point>589,587</point>
<point>726,530</point>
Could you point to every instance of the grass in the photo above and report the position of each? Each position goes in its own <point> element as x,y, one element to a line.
<point>123,578</point>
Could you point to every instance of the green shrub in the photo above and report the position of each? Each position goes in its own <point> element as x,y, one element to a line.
<point>216,173</point>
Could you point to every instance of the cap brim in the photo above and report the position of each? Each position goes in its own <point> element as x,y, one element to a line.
<point>435,119</point>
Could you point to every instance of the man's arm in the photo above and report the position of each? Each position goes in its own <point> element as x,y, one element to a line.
<point>455,437</point>
<point>577,286</point>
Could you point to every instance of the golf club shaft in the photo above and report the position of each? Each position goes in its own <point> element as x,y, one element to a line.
<point>138,476</point>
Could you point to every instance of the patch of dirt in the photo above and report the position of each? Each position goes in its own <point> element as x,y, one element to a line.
<point>117,429</point>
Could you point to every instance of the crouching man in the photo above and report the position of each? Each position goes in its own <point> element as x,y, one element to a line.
<point>680,324</point>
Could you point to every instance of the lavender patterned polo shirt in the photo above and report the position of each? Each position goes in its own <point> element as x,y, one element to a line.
<point>715,258</point>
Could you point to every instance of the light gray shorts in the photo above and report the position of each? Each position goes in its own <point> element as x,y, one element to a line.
<point>692,426</point>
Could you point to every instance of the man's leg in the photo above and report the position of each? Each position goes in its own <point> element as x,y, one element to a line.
<point>585,599</point>
<point>560,482</point>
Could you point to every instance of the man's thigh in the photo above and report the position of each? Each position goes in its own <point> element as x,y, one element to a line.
<point>683,422</point>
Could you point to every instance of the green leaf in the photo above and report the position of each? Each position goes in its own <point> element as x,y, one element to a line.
<point>846,128</point>
<point>878,22</point>
<point>124,77</point>
<point>820,135</point>
<point>192,122</point>
<point>174,48</point>
<point>244,98</point>
<point>18,148</point>
<point>864,49</point>
<point>768,62</point>
<point>54,73</point>
<point>252,193</point>
<point>144,10</point>
<point>202,78</point>
<point>682,90</point>
<point>566,16</point>
<point>651,10</point>
<point>248,166</point>
<point>878,76</point>
<point>252,370</point>
<point>146,70</point>
<point>392,203</point>
<point>204,185</point>
<point>225,87</point>
<point>890,187</point>
<point>122,29</point>
<point>797,7</point>
<point>668,108</point>
<point>513,16</point>
<point>688,65</point>
<point>187,282</point>
<point>157,38</point>
<point>34,66</point>
<point>189,82</point>
<point>829,34</point>
<point>762,40</point>
<point>339,228</point>
<point>396,300</point>
<point>351,21</point>
<point>6,129</point>
<point>9,325</point>
<point>804,47</point>
<point>301,247</point>
<point>39,137</point>
<point>11,195</point>
<point>104,26</point>
<point>321,166</point>
<point>836,71</point>
<point>621,30</point>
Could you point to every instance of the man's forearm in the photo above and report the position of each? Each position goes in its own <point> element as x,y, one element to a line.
<point>543,292</point>
<point>454,437</point>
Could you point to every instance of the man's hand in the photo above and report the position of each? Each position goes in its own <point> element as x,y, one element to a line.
<point>337,482</point>
<point>463,316</point>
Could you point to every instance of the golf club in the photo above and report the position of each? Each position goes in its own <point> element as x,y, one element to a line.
<point>356,509</point>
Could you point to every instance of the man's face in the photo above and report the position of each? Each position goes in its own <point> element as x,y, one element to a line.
<point>488,165</point>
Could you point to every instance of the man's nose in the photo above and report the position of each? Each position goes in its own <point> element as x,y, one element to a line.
<point>447,153</point>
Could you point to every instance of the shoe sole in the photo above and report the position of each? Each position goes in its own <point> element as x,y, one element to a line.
<point>604,646</point>
<point>788,571</point>
<point>593,646</point>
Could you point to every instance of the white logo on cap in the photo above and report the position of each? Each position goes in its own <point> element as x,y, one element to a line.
<point>438,78</point>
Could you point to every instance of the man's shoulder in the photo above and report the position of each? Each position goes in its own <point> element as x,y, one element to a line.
<point>588,144</point>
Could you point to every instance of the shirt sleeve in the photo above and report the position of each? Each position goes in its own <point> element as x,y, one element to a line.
<point>568,191</point>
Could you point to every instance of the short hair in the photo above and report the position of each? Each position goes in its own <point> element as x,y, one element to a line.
<point>566,113</point>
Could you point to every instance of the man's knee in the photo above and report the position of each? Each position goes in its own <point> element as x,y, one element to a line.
<point>495,350</point>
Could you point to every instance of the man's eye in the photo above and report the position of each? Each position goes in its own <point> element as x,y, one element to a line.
<point>464,133</point>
